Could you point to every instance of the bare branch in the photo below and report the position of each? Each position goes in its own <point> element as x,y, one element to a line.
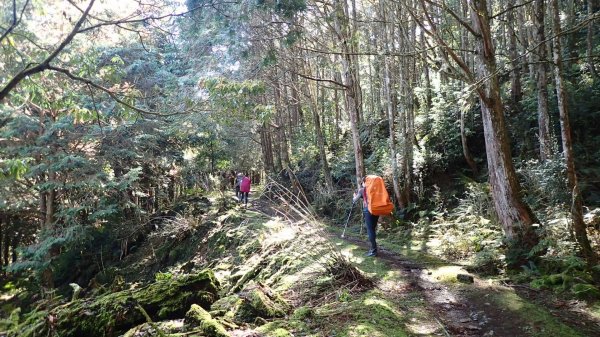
<point>15,21</point>
<point>455,16</point>
<point>362,53</point>
<point>510,9</point>
<point>308,77</point>
<point>434,33</point>
<point>44,65</point>
<point>138,20</point>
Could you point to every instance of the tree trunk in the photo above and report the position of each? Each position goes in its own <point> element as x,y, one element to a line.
<point>390,108</point>
<point>352,97</point>
<point>3,225</point>
<point>321,145</point>
<point>577,204</point>
<point>267,150</point>
<point>591,28</point>
<point>6,248</point>
<point>295,104</point>
<point>542,84</point>
<point>514,215</point>
<point>515,75</point>
<point>465,146</point>
<point>571,13</point>
<point>281,123</point>
<point>50,202</point>
<point>276,145</point>
<point>338,112</point>
<point>14,245</point>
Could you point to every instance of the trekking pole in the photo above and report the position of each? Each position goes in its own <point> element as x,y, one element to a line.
<point>348,220</point>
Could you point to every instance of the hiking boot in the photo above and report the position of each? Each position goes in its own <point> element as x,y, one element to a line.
<point>371,253</point>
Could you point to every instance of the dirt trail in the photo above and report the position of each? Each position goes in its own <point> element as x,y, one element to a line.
<point>474,309</point>
<point>477,309</point>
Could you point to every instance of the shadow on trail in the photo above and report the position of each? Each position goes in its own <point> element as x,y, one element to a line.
<point>480,308</point>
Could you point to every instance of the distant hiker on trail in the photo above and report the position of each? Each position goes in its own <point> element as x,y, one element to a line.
<point>376,202</point>
<point>238,181</point>
<point>244,189</point>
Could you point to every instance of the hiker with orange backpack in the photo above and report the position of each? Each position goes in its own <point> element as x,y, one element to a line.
<point>376,202</point>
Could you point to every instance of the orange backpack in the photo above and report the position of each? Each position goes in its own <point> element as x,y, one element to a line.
<point>377,196</point>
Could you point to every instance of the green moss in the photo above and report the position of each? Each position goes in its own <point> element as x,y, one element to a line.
<point>254,301</point>
<point>369,315</point>
<point>303,313</point>
<point>119,311</point>
<point>33,322</point>
<point>225,304</point>
<point>584,290</point>
<point>265,305</point>
<point>282,328</point>
<point>535,320</point>
<point>280,332</point>
<point>155,329</point>
<point>198,317</point>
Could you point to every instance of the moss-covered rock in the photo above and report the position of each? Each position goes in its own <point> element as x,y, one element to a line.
<point>303,312</point>
<point>114,313</point>
<point>165,328</point>
<point>198,317</point>
<point>255,300</point>
<point>274,330</point>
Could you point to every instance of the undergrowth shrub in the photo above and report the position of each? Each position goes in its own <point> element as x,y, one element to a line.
<point>472,231</point>
<point>545,183</point>
<point>329,203</point>
<point>563,274</point>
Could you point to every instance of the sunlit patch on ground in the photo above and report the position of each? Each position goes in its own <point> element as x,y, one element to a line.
<point>445,274</point>
<point>279,234</point>
<point>422,328</point>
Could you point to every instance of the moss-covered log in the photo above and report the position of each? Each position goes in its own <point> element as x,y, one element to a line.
<point>115,313</point>
<point>256,300</point>
<point>198,317</point>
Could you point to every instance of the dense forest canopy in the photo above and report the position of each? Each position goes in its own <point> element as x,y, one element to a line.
<point>481,115</point>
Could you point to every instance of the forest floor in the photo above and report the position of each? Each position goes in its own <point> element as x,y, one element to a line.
<point>482,308</point>
<point>418,294</point>
<point>304,259</point>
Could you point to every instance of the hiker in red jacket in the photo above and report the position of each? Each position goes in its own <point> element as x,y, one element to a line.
<point>244,189</point>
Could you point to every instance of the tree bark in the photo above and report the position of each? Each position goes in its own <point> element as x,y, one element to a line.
<point>567,144</point>
<point>3,225</point>
<point>338,112</point>
<point>267,150</point>
<point>348,79</point>
<point>50,202</point>
<point>390,108</point>
<point>516,91</point>
<point>514,215</point>
<point>544,136</point>
<point>282,145</point>
<point>466,152</point>
<point>295,104</point>
<point>591,29</point>
<point>321,145</point>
